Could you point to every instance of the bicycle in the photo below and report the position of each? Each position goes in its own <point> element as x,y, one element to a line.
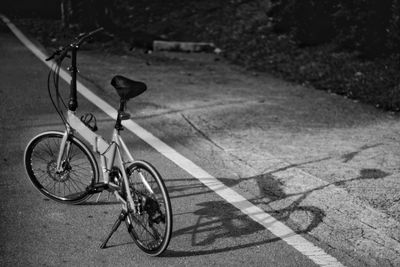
<point>64,169</point>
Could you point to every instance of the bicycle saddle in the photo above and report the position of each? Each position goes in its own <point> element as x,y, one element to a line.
<point>127,88</point>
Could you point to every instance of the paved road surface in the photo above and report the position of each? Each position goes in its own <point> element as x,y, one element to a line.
<point>207,229</point>
<point>36,231</point>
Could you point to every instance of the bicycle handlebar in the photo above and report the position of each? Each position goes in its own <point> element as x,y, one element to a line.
<point>82,37</point>
<point>62,51</point>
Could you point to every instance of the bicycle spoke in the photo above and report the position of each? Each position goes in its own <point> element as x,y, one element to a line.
<point>144,227</point>
<point>49,150</point>
<point>77,171</point>
<point>45,160</point>
<point>151,230</point>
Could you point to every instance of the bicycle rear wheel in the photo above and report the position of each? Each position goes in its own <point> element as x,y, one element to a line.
<point>79,167</point>
<point>151,225</point>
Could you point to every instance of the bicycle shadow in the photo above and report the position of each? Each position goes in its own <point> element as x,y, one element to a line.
<point>219,220</point>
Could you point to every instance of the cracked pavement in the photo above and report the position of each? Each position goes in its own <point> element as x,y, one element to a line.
<point>325,165</point>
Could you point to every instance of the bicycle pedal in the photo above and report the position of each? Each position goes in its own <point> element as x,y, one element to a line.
<point>97,188</point>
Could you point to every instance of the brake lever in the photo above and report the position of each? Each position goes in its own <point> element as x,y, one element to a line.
<point>85,36</point>
<point>55,53</point>
<point>80,35</point>
<point>49,58</point>
<point>79,39</point>
<point>62,51</point>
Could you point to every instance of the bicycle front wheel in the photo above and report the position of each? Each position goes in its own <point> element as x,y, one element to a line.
<point>150,225</point>
<point>79,167</point>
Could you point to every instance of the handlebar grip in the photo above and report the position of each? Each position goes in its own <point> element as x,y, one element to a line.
<point>95,31</point>
<point>87,35</point>
<point>64,54</point>
<point>59,54</point>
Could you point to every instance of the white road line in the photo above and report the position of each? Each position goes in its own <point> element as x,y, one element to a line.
<point>277,228</point>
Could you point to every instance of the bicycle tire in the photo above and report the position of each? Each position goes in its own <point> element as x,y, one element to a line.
<point>151,226</point>
<point>81,169</point>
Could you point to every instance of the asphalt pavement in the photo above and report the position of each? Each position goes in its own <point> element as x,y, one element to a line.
<point>326,169</point>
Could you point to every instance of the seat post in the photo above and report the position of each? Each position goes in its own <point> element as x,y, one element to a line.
<point>122,105</point>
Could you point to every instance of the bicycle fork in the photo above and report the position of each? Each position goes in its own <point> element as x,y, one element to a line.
<point>65,149</point>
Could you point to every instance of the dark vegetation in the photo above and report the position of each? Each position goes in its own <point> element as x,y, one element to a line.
<point>349,47</point>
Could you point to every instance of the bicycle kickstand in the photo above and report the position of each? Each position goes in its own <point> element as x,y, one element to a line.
<point>121,217</point>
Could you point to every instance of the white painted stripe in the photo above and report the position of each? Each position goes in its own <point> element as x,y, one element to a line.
<point>277,228</point>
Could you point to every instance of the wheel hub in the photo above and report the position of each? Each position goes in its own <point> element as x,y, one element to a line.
<point>62,176</point>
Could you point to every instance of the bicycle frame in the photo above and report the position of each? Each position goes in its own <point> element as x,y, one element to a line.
<point>111,154</point>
